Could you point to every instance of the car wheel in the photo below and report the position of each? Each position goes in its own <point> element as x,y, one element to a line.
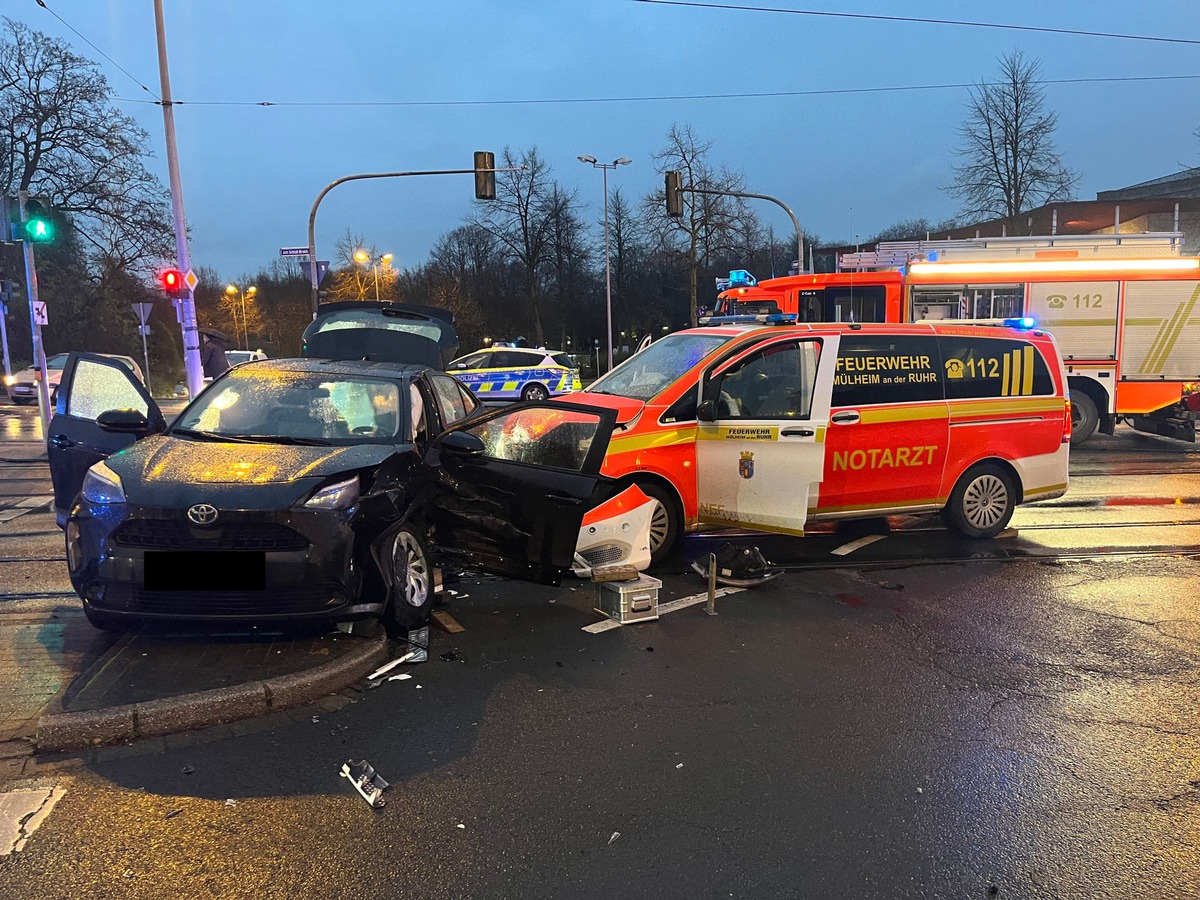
<point>982,502</point>
<point>665,522</point>
<point>412,582</point>
<point>105,622</point>
<point>1084,417</point>
<point>535,391</point>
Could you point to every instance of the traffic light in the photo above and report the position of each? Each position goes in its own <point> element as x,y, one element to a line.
<point>675,194</point>
<point>9,218</point>
<point>39,227</point>
<point>485,175</point>
<point>172,283</point>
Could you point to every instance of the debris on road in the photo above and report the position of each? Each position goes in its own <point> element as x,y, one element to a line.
<point>173,813</point>
<point>231,802</point>
<point>403,676</point>
<point>615,835</point>
<point>387,667</point>
<point>739,566</point>
<point>366,781</point>
<point>188,770</point>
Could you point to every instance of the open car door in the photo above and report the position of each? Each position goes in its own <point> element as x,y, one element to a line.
<point>513,487</point>
<point>102,407</point>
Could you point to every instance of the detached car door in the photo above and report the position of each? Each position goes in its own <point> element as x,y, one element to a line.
<point>513,487</point>
<point>90,386</point>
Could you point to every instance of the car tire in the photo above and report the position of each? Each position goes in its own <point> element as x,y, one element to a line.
<point>535,391</point>
<point>105,622</point>
<point>666,523</point>
<point>412,582</point>
<point>982,502</point>
<point>1085,417</point>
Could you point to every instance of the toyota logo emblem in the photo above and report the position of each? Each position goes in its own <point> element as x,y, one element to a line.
<point>202,514</point>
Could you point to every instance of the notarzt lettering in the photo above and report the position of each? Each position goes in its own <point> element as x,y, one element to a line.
<point>888,458</point>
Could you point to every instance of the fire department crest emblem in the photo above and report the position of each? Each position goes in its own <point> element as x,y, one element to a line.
<point>746,464</point>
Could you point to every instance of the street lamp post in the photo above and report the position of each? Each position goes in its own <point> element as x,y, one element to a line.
<point>623,161</point>
<point>363,257</point>
<point>232,289</point>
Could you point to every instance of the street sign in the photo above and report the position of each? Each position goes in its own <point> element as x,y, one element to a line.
<point>322,268</point>
<point>142,311</point>
<point>143,330</point>
<point>191,280</point>
<point>293,251</point>
<point>39,313</point>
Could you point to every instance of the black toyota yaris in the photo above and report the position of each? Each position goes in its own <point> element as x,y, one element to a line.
<point>309,490</point>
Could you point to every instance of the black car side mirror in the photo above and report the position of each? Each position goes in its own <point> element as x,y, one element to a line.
<point>462,442</point>
<point>706,411</point>
<point>124,421</point>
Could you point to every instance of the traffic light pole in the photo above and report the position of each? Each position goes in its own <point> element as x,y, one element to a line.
<point>39,351</point>
<point>312,216</point>
<point>187,303</point>
<point>780,203</point>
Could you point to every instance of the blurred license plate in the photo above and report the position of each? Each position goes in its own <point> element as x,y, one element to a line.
<point>205,570</point>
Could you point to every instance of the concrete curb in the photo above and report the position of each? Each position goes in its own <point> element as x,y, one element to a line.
<point>86,728</point>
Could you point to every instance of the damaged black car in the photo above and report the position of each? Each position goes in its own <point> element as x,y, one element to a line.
<point>309,490</point>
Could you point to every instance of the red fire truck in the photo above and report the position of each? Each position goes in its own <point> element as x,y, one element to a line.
<point>1124,310</point>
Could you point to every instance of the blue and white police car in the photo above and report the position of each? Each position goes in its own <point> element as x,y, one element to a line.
<point>512,373</point>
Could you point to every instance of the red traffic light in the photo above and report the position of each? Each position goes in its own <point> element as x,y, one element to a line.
<point>173,283</point>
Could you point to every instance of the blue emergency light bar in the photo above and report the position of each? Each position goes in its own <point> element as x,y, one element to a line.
<point>742,278</point>
<point>761,319</point>
<point>1024,323</point>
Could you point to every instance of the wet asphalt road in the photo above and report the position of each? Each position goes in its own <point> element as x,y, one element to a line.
<point>916,718</point>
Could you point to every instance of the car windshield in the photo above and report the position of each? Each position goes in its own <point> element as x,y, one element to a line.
<point>267,404</point>
<point>57,361</point>
<point>339,321</point>
<point>237,357</point>
<point>645,374</point>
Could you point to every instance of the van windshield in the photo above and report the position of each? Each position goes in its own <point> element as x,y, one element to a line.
<point>645,374</point>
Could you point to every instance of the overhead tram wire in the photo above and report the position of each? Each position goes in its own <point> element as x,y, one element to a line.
<point>1075,32</point>
<point>746,95</point>
<point>137,81</point>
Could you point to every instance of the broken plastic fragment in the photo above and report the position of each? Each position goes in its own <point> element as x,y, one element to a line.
<point>231,802</point>
<point>366,781</point>
<point>680,766</point>
<point>460,825</point>
<point>387,667</point>
<point>188,770</point>
<point>173,813</point>
<point>403,676</point>
<point>615,835</point>
<point>419,639</point>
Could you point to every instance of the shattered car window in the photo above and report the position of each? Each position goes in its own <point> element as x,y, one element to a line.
<point>99,388</point>
<point>559,438</point>
<point>263,403</point>
<point>371,319</point>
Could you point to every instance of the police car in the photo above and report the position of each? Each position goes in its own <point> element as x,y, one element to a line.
<point>511,373</point>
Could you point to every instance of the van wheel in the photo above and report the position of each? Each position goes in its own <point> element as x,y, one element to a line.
<point>982,502</point>
<point>535,392</point>
<point>1084,417</point>
<point>412,582</point>
<point>665,522</point>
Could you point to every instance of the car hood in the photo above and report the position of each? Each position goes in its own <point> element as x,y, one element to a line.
<point>165,470</point>
<point>627,408</point>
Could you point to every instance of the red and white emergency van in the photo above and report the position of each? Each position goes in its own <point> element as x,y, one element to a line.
<point>773,426</point>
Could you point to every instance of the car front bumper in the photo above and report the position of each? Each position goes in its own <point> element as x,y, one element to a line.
<point>310,571</point>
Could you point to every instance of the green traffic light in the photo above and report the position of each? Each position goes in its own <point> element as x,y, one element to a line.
<point>39,230</point>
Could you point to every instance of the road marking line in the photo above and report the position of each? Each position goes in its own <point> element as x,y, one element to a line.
<point>26,505</point>
<point>663,608</point>
<point>846,549</point>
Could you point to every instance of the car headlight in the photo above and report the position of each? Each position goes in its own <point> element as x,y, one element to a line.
<point>342,495</point>
<point>102,485</point>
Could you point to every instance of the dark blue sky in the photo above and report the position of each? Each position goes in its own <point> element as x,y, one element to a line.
<point>848,164</point>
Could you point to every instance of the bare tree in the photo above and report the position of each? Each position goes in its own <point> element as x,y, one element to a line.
<point>710,224</point>
<point>60,138</point>
<point>1010,161</point>
<point>524,217</point>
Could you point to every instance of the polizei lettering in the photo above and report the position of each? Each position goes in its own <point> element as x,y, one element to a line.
<point>887,458</point>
